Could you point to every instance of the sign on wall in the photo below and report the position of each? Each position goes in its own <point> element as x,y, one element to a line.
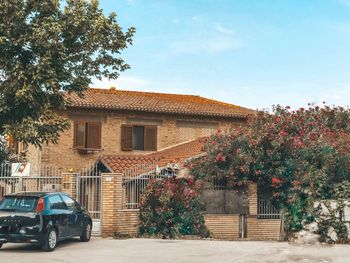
<point>20,169</point>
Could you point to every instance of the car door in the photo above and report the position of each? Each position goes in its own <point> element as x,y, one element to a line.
<point>76,217</point>
<point>59,215</point>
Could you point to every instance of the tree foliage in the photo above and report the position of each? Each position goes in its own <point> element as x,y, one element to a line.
<point>49,47</point>
<point>296,157</point>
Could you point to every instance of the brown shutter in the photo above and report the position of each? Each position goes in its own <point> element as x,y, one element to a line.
<point>93,138</point>
<point>150,138</point>
<point>126,138</point>
<point>79,134</point>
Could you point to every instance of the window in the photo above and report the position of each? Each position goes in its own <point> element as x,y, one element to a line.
<point>56,202</point>
<point>87,135</point>
<point>22,204</point>
<point>70,203</point>
<point>137,137</point>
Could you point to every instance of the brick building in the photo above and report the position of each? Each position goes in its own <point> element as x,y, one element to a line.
<point>115,122</point>
<point>130,133</point>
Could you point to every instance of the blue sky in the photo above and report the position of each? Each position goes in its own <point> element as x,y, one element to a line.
<point>253,53</point>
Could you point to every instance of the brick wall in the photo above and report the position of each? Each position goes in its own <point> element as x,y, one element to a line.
<point>263,229</point>
<point>170,132</point>
<point>223,226</point>
<point>127,222</point>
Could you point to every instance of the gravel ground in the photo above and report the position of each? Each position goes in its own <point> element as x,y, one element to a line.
<point>162,251</point>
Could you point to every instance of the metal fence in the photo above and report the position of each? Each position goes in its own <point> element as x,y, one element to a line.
<point>266,210</point>
<point>48,179</point>
<point>38,171</point>
<point>137,178</point>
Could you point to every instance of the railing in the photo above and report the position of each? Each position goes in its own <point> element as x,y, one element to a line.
<point>136,179</point>
<point>266,210</point>
<point>12,184</point>
<point>39,171</point>
<point>47,178</point>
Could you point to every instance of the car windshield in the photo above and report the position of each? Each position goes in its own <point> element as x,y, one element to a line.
<point>18,204</point>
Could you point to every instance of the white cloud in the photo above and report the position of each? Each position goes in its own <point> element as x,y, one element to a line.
<point>130,82</point>
<point>223,30</point>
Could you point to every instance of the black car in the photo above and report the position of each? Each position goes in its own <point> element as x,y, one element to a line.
<point>43,219</point>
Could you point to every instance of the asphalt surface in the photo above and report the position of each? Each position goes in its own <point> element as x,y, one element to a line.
<point>162,251</point>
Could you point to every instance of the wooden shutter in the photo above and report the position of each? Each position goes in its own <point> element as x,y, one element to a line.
<point>93,137</point>
<point>126,138</point>
<point>150,138</point>
<point>79,134</point>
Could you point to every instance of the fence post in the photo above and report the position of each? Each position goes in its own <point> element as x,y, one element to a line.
<point>253,199</point>
<point>69,184</point>
<point>111,193</point>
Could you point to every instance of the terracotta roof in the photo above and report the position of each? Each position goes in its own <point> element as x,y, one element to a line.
<point>155,102</point>
<point>177,154</point>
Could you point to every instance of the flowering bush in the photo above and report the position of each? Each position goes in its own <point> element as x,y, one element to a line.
<point>170,208</point>
<point>296,157</point>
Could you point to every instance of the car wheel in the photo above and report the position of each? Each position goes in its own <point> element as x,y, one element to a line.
<point>50,241</point>
<point>86,235</point>
<point>1,244</point>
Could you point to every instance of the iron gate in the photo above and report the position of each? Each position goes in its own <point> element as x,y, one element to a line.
<point>89,195</point>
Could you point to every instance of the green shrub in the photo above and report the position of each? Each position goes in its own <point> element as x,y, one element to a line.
<point>170,208</point>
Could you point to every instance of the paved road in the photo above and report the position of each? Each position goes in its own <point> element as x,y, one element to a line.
<point>162,251</point>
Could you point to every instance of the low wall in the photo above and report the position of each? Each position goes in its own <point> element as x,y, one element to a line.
<point>227,227</point>
<point>127,222</point>
<point>263,229</point>
<point>223,226</point>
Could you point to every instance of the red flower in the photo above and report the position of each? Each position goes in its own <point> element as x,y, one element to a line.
<point>276,182</point>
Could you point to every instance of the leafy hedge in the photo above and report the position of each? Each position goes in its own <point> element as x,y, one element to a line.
<point>170,208</point>
<point>296,157</point>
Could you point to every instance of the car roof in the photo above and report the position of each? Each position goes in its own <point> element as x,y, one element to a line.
<point>34,194</point>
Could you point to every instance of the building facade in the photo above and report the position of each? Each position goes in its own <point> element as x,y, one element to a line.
<point>114,122</point>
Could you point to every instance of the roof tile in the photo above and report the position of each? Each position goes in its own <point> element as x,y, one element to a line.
<point>177,154</point>
<point>155,102</point>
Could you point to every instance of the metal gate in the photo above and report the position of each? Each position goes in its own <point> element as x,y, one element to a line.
<point>89,195</point>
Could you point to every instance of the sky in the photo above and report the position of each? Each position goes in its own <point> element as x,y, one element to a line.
<point>252,53</point>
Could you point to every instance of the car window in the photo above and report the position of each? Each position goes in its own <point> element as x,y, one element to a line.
<point>16,203</point>
<point>71,204</point>
<point>56,202</point>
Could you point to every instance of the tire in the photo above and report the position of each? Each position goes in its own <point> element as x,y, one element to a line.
<point>86,235</point>
<point>50,241</point>
<point>1,244</point>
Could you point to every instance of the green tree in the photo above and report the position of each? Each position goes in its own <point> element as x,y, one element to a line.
<point>48,48</point>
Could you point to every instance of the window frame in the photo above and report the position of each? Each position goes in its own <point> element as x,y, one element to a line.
<point>59,196</point>
<point>145,142</point>
<point>86,134</point>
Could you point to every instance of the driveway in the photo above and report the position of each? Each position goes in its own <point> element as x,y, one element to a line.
<point>162,251</point>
